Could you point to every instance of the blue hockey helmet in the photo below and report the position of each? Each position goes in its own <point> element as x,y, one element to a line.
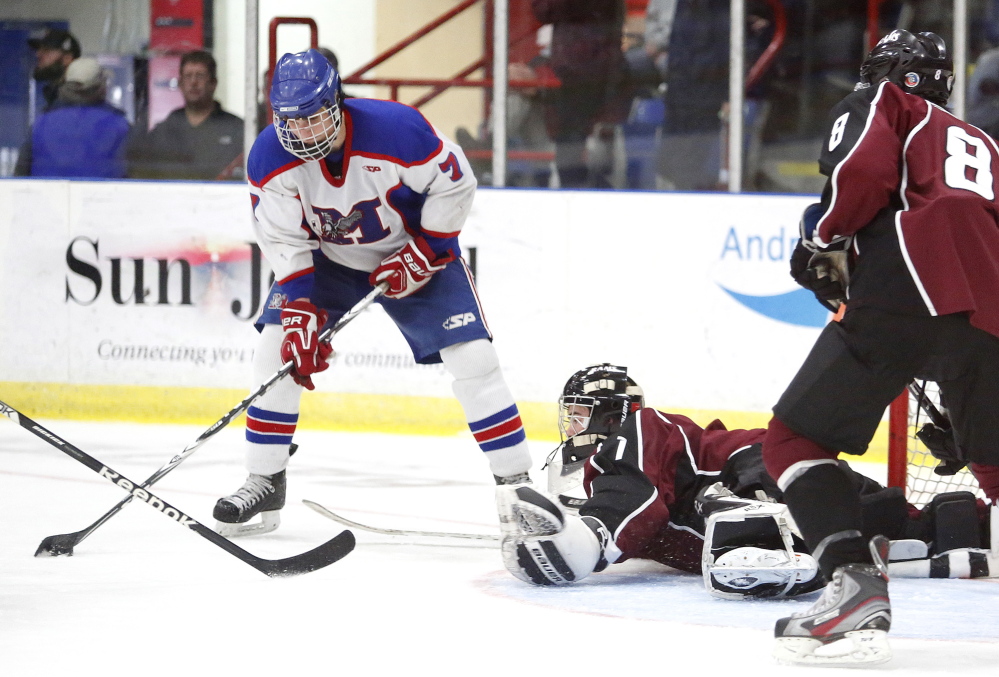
<point>306,99</point>
<point>918,63</point>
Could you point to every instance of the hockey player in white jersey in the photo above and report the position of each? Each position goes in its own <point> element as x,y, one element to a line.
<point>346,195</point>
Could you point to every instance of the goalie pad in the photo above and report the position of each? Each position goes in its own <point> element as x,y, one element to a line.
<point>756,572</point>
<point>750,548</point>
<point>959,562</point>
<point>953,521</point>
<point>963,563</point>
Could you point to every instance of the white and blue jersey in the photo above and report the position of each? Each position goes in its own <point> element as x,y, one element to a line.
<point>324,225</point>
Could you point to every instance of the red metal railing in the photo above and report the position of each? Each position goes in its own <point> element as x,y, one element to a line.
<point>440,85</point>
<point>766,59</point>
<point>272,40</point>
<point>237,162</point>
<point>873,24</point>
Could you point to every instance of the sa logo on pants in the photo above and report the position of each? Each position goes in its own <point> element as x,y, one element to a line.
<point>459,320</point>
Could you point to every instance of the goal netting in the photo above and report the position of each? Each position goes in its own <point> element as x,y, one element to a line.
<point>910,463</point>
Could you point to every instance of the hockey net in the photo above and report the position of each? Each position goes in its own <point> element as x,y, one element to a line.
<point>910,464</point>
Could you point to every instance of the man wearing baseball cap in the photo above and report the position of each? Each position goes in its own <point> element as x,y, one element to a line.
<point>55,49</point>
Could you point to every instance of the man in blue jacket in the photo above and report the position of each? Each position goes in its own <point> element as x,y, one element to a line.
<point>81,136</point>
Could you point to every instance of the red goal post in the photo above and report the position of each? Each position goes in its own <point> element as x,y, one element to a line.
<point>910,464</point>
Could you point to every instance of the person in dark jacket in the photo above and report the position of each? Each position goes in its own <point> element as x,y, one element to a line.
<point>81,136</point>
<point>55,49</point>
<point>198,141</point>
<point>586,56</point>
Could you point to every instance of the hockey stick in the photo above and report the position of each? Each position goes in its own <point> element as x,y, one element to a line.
<point>63,544</point>
<point>937,435</point>
<point>326,512</point>
<point>327,553</point>
<point>938,418</point>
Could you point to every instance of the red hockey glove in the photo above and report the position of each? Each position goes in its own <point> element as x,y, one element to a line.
<point>301,322</point>
<point>409,269</point>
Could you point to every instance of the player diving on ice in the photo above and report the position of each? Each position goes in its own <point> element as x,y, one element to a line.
<point>661,487</point>
<point>347,195</point>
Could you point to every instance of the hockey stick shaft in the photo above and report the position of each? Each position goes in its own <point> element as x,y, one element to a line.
<point>918,391</point>
<point>326,512</point>
<point>329,552</point>
<point>64,543</point>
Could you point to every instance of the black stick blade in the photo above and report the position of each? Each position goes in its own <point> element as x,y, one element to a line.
<point>331,551</point>
<point>58,545</point>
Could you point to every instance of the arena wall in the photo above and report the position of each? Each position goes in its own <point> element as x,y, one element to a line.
<point>135,300</point>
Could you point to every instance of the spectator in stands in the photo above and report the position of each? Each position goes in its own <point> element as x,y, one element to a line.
<point>696,94</point>
<point>525,128</point>
<point>586,56</point>
<point>81,135</point>
<point>55,50</point>
<point>198,141</point>
<point>658,26</point>
<point>983,93</point>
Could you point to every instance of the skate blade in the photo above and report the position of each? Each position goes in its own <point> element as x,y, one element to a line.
<point>269,521</point>
<point>858,648</point>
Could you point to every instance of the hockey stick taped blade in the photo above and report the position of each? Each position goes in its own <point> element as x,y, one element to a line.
<point>56,546</point>
<point>331,551</point>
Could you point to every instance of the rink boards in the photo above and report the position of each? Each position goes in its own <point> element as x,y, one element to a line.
<point>135,300</point>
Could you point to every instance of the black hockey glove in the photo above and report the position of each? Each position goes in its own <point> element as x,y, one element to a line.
<point>812,273</point>
<point>942,445</point>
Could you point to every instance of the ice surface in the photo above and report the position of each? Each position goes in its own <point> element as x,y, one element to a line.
<point>144,595</point>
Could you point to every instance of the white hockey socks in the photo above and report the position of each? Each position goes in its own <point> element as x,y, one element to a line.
<point>489,407</point>
<point>271,421</point>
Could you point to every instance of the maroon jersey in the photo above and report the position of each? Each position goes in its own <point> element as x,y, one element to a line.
<point>642,482</point>
<point>917,187</point>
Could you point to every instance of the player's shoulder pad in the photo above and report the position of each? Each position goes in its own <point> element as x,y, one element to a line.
<point>268,158</point>
<point>392,131</point>
<point>858,101</point>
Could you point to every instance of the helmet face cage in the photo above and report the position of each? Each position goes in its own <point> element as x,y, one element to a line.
<point>312,137</point>
<point>918,63</point>
<point>575,412</point>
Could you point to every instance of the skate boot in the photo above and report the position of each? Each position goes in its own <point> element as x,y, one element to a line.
<point>847,625</point>
<point>261,494</point>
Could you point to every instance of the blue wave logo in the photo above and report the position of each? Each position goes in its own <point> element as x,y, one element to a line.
<point>797,307</point>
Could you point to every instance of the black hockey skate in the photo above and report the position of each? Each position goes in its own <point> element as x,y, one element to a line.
<point>847,625</point>
<point>261,495</point>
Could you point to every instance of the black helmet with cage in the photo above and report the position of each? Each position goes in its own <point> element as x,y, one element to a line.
<point>594,405</point>
<point>916,62</point>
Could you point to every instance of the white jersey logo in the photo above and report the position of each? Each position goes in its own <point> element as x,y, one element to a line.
<point>459,320</point>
